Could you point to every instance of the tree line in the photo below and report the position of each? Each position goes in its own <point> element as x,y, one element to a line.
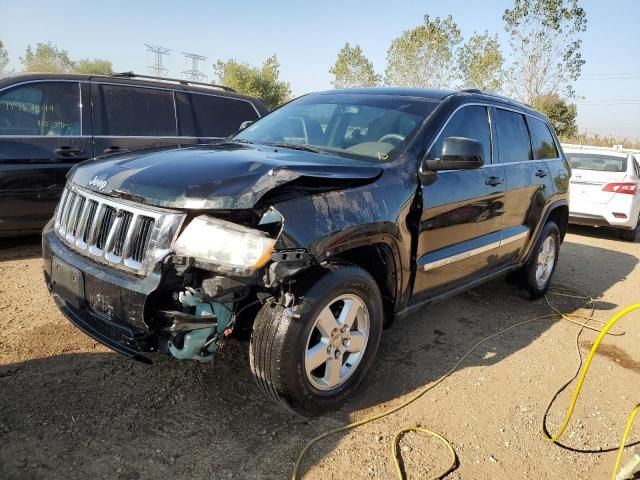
<point>539,66</point>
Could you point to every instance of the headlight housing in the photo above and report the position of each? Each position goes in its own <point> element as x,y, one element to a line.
<point>225,245</point>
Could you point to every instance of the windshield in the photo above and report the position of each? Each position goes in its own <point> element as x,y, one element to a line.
<point>367,127</point>
<point>597,162</point>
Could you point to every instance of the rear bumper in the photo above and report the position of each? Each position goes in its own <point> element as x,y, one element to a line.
<point>602,215</point>
<point>113,307</point>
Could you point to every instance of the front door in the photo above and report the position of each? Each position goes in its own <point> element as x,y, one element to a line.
<point>42,135</point>
<point>459,232</point>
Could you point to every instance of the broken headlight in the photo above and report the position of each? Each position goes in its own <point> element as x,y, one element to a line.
<point>224,244</point>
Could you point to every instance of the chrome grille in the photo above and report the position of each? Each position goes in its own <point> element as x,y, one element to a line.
<point>126,235</point>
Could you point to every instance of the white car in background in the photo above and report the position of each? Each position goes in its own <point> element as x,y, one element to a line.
<point>605,188</point>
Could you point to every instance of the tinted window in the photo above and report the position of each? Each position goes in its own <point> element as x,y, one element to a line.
<point>470,122</point>
<point>132,111</point>
<point>212,116</point>
<point>513,137</point>
<point>597,162</point>
<point>542,140</point>
<point>51,109</point>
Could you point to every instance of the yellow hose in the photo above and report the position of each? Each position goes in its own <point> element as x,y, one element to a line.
<point>416,428</point>
<point>566,316</point>
<point>583,374</point>
<point>624,440</point>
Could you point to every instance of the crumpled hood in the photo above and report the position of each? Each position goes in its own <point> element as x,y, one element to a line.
<point>223,176</point>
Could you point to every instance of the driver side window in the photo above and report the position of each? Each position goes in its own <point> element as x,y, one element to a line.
<point>470,122</point>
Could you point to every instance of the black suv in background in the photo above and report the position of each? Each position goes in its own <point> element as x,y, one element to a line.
<point>312,228</point>
<point>49,122</point>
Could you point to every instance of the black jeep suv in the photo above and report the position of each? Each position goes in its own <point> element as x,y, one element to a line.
<point>50,122</point>
<point>312,228</point>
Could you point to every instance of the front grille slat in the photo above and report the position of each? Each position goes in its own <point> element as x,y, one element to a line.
<point>142,238</point>
<point>88,225</point>
<point>106,222</point>
<point>115,232</point>
<point>121,232</point>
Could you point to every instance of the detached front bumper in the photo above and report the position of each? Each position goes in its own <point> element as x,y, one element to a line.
<point>106,304</point>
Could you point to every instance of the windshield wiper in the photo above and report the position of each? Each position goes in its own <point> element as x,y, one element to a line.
<point>297,146</point>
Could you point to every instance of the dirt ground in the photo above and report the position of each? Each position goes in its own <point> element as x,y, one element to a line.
<point>71,409</point>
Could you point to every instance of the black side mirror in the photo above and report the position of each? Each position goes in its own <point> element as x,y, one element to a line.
<point>245,124</point>
<point>458,153</point>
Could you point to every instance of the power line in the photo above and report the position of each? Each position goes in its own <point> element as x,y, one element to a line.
<point>158,69</point>
<point>194,74</point>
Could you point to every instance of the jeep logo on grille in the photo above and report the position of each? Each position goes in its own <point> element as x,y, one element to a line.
<point>98,183</point>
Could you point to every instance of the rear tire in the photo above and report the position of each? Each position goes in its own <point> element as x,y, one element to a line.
<point>535,277</point>
<point>285,341</point>
<point>630,235</point>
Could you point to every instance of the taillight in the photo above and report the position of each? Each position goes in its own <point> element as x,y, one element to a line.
<point>629,188</point>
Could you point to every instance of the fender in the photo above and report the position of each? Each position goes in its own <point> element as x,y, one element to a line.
<point>376,240</point>
<point>536,233</point>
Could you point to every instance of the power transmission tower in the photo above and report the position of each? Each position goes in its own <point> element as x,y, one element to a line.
<point>194,74</point>
<point>158,69</point>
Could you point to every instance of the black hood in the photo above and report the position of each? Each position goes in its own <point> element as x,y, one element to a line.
<point>223,176</point>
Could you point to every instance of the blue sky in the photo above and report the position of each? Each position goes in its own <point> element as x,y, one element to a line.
<point>307,36</point>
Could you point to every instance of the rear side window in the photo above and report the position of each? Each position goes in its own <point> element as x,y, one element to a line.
<point>204,115</point>
<point>513,137</point>
<point>543,145</point>
<point>135,111</point>
<point>48,108</point>
<point>597,162</point>
<point>470,122</point>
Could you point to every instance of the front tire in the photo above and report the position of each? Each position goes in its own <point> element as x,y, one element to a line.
<point>535,277</point>
<point>311,357</point>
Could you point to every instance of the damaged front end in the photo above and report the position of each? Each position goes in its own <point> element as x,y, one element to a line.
<point>214,281</point>
<point>175,250</point>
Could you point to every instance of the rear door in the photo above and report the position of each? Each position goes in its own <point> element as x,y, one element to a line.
<point>529,182</point>
<point>208,117</point>
<point>43,132</point>
<point>128,117</point>
<point>459,231</point>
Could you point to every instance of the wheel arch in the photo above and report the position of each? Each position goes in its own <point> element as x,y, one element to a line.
<point>557,211</point>
<point>381,260</point>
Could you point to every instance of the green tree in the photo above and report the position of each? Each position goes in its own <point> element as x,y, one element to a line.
<point>46,58</point>
<point>4,57</point>
<point>96,66</point>
<point>545,45</point>
<point>353,69</point>
<point>261,81</point>
<point>561,113</point>
<point>480,62</point>
<point>423,56</point>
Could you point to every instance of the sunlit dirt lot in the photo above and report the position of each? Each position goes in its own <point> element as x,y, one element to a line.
<point>71,409</point>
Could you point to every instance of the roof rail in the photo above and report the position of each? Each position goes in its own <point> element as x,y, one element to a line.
<point>493,95</point>
<point>174,80</point>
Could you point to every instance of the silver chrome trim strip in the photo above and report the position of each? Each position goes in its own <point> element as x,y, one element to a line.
<point>460,256</point>
<point>475,251</point>
<point>515,237</point>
